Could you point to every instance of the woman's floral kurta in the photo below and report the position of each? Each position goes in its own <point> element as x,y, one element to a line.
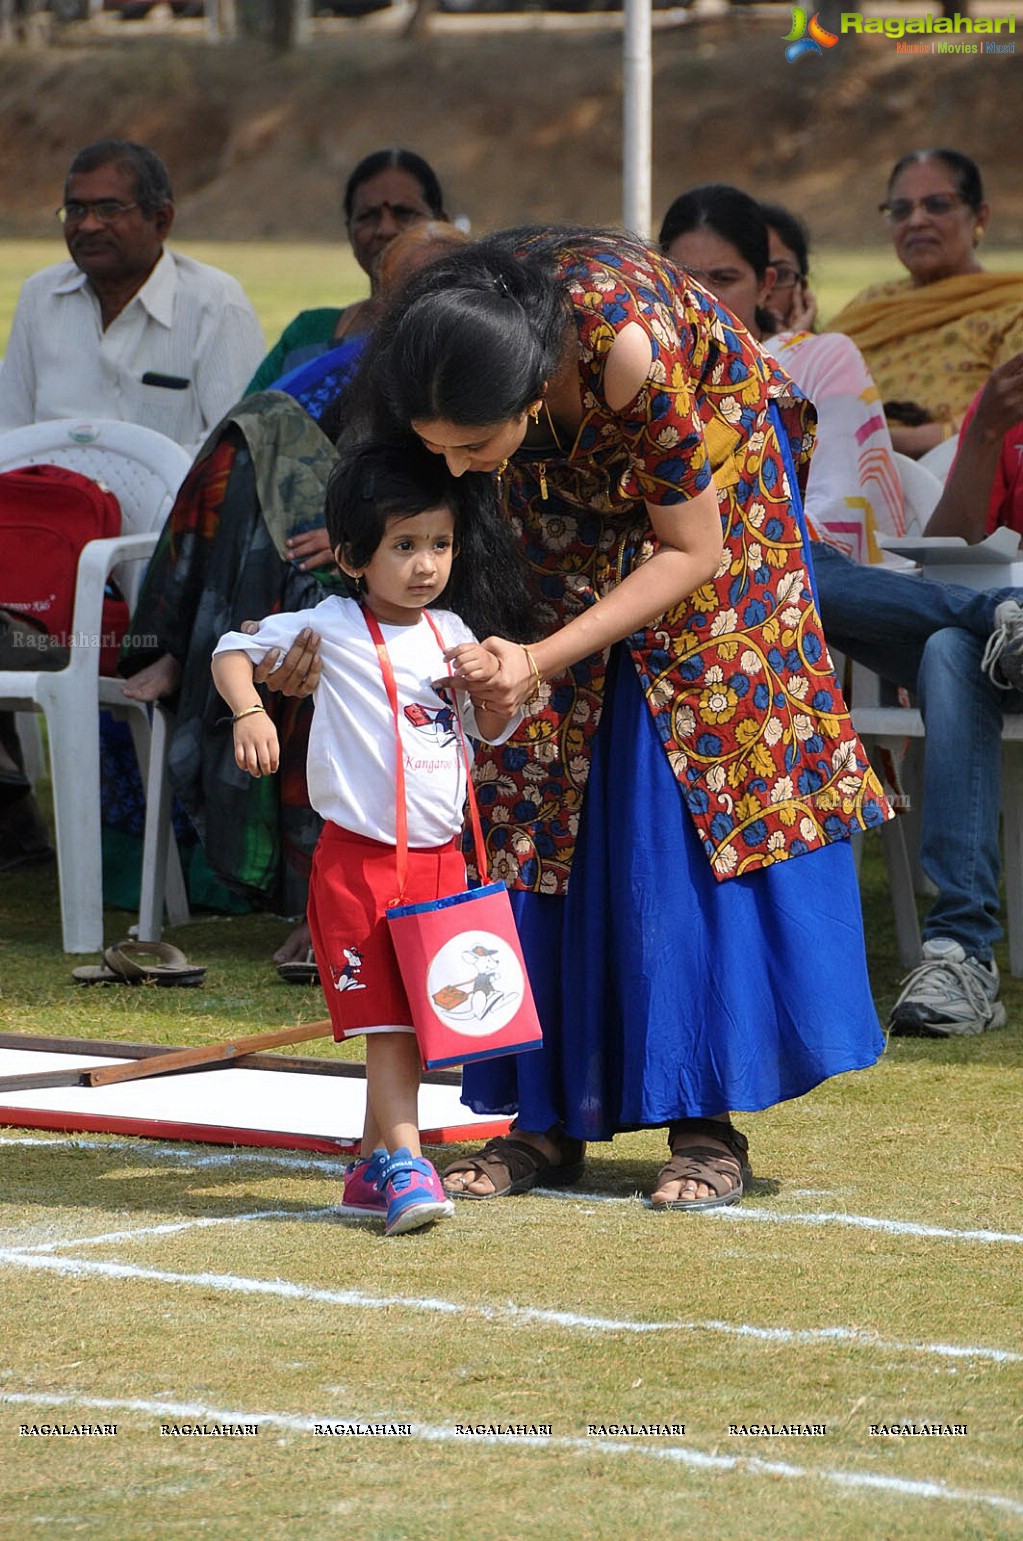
<point>737,676</point>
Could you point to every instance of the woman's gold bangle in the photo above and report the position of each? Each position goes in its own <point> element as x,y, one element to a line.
<point>259,707</point>
<point>536,675</point>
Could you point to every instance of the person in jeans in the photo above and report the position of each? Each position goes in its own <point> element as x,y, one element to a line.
<point>931,638</point>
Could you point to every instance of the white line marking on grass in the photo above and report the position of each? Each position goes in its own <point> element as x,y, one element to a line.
<point>328,1167</point>
<point>794,1217</point>
<point>699,1460</point>
<point>183,1155</point>
<point>516,1315</point>
<point>174,1227</point>
<point>869,1223</point>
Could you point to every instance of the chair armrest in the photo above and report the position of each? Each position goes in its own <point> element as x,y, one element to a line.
<point>97,560</point>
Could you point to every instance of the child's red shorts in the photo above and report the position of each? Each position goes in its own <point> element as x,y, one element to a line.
<point>353,882</point>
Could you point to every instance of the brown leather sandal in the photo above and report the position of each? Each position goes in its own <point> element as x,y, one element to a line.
<point>727,1172</point>
<point>515,1165</point>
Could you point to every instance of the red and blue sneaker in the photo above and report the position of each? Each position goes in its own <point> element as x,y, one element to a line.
<point>414,1193</point>
<point>361,1196</point>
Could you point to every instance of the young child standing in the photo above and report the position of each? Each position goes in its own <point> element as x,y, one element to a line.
<point>393,516</point>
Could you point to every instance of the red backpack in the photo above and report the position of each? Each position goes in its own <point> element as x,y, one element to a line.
<point>47,514</point>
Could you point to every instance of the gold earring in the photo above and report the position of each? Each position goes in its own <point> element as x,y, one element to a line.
<point>502,467</point>
<point>534,411</point>
<point>978,232</point>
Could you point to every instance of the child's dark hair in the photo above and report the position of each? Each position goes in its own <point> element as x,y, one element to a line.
<point>375,482</point>
<point>380,479</point>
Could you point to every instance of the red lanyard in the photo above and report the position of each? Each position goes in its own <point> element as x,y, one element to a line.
<point>401,811</point>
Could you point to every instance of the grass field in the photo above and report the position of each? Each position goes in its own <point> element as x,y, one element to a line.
<point>870,1279</point>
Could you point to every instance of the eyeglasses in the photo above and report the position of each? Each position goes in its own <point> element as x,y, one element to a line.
<point>785,276</point>
<point>935,204</point>
<point>106,210</point>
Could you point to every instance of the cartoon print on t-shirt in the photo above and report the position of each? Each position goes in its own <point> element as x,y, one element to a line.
<point>436,722</point>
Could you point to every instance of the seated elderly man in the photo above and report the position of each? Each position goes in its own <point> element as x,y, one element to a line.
<point>126,328</point>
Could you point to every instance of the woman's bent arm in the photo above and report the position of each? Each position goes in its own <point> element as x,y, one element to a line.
<point>688,555</point>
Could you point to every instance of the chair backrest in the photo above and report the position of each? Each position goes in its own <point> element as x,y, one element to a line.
<point>921,490</point>
<point>142,468</point>
<point>939,459</point>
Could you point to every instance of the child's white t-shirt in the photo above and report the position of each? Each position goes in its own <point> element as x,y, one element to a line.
<point>352,748</point>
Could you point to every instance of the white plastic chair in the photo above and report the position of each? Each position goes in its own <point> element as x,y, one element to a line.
<point>939,459</point>
<point>144,470</point>
<point>889,727</point>
<point>921,489</point>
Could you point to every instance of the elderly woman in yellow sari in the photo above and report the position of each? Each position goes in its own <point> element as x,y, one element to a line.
<point>932,339</point>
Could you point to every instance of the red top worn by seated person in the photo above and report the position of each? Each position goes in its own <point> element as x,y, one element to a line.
<point>1005,507</point>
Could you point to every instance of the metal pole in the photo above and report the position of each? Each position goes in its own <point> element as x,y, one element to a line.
<point>636,149</point>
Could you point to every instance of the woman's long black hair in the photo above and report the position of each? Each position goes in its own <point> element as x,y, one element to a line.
<point>473,339</point>
<point>477,334</point>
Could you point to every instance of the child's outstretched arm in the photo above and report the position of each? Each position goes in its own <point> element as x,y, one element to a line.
<point>256,748</point>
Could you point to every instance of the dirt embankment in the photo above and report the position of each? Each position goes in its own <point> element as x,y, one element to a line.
<point>521,125</point>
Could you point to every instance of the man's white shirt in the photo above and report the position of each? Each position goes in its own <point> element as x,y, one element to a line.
<point>176,359</point>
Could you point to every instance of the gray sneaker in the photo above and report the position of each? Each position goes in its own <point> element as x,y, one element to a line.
<point>948,995</point>
<point>1003,655</point>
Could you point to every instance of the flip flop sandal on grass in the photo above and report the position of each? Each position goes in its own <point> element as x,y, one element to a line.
<point>515,1165</point>
<point>131,962</point>
<point>300,971</point>
<point>727,1172</point>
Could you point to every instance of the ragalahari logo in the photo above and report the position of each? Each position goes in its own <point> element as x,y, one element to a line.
<point>807,36</point>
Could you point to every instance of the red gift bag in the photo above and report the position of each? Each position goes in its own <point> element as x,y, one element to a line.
<point>462,966</point>
<point>460,957</point>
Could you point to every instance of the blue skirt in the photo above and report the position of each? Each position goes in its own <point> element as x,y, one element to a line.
<point>663,993</point>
